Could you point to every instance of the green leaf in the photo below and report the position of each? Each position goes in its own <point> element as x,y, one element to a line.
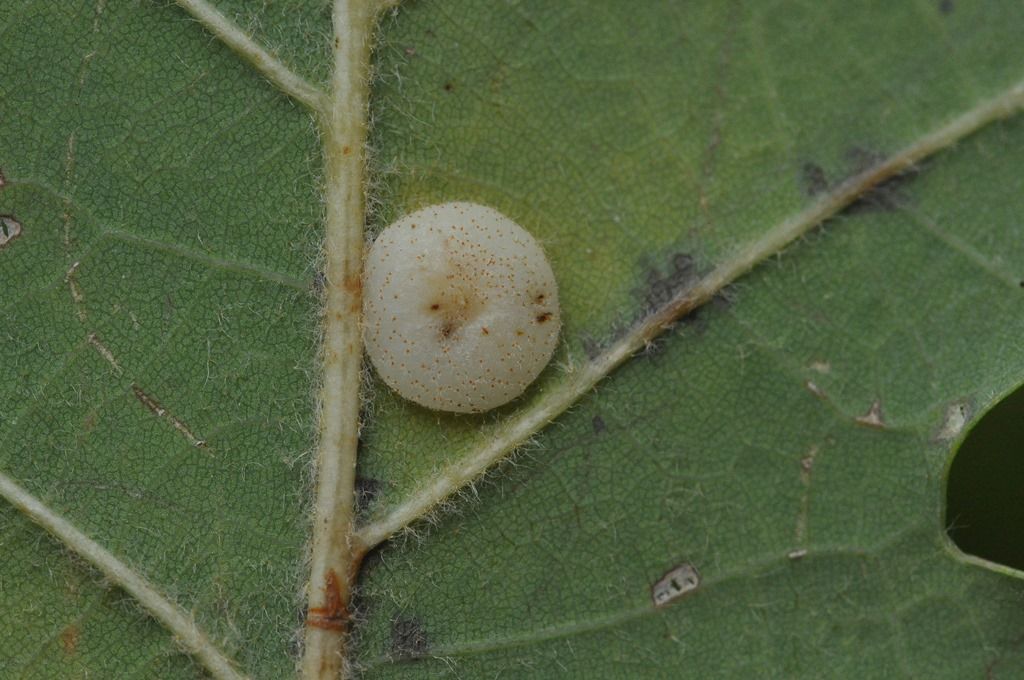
<point>641,135</point>
<point>185,189</point>
<point>161,292</point>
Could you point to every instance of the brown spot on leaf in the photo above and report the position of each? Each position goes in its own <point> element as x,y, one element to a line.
<point>544,318</point>
<point>69,639</point>
<point>449,86</point>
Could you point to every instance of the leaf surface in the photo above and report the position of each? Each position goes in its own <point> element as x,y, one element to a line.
<point>643,144</point>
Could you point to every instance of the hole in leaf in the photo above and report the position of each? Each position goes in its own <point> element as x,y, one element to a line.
<point>985,489</point>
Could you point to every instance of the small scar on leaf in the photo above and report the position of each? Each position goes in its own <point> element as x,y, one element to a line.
<point>807,464</point>
<point>677,582</point>
<point>10,229</point>
<point>873,418</point>
<point>78,299</point>
<point>815,389</point>
<point>160,412</point>
<point>822,367</point>
<point>957,415</point>
<point>408,638</point>
<point>103,350</point>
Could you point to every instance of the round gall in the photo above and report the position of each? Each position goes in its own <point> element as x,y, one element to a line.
<point>460,307</point>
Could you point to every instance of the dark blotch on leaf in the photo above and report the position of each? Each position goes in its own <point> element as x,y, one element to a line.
<point>813,177</point>
<point>656,347</point>
<point>946,6</point>
<point>367,490</point>
<point>598,424</point>
<point>861,158</point>
<point>449,86</point>
<point>591,346</point>
<point>408,638</point>
<point>697,320</point>
<point>887,196</point>
<point>661,287</point>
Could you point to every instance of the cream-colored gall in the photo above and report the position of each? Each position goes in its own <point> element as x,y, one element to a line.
<point>460,307</point>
